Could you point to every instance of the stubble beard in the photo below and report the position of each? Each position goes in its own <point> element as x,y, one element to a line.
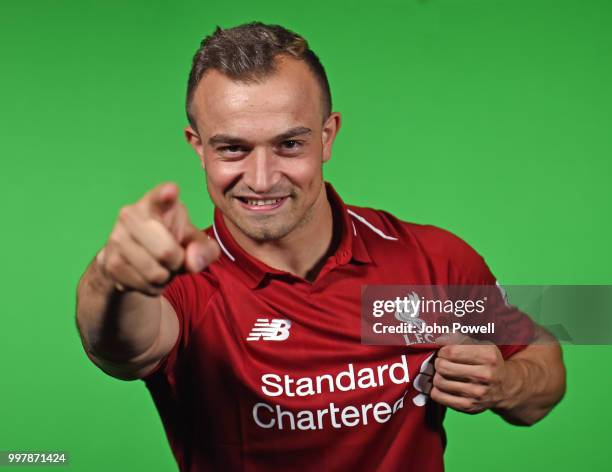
<point>267,229</point>
<point>272,228</point>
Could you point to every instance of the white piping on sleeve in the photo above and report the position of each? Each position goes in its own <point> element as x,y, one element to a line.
<point>371,226</point>
<point>354,229</point>
<point>223,248</point>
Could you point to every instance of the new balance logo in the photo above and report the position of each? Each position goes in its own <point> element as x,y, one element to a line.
<point>270,330</point>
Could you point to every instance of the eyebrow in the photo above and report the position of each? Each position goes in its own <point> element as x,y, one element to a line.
<point>229,139</point>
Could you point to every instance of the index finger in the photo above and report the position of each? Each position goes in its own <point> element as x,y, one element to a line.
<point>161,198</point>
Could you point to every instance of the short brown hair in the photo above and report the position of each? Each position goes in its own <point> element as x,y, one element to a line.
<point>247,53</point>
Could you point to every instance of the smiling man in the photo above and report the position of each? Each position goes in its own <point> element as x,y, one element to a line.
<point>262,140</point>
<point>247,333</point>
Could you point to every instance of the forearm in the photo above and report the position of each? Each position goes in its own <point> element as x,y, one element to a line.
<point>115,326</point>
<point>534,383</point>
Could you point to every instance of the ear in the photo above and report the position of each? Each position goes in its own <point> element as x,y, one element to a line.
<point>193,138</point>
<point>328,135</point>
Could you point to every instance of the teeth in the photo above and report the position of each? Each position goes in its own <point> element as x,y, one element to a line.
<point>263,202</point>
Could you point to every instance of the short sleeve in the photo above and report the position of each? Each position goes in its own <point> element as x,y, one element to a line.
<point>514,330</point>
<point>188,295</point>
<point>466,267</point>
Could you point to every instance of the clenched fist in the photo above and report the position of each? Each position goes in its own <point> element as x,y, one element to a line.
<point>153,240</point>
<point>470,375</point>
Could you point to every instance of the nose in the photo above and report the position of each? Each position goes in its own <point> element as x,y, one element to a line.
<point>260,173</point>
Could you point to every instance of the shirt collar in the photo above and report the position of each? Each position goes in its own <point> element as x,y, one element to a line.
<point>351,248</point>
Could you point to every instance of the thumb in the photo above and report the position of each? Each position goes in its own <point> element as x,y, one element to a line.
<point>200,251</point>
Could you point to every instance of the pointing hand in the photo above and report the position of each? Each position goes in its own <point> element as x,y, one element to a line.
<point>153,240</point>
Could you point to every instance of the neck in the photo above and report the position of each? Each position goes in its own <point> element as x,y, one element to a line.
<point>304,250</point>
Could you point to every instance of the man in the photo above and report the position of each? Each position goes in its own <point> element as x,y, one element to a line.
<point>247,334</point>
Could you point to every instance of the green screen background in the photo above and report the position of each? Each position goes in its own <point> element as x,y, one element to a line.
<point>489,118</point>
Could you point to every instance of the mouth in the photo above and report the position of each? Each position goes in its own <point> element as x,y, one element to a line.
<point>261,204</point>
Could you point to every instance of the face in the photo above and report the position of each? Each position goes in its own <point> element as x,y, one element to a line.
<point>262,146</point>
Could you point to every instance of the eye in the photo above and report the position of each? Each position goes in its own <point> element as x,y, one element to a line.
<point>231,148</point>
<point>232,151</point>
<point>292,145</point>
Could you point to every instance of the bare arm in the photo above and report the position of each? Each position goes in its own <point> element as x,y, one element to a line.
<point>123,333</point>
<point>534,381</point>
<point>126,327</point>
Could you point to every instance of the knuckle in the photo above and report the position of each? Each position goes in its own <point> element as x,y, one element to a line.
<point>115,238</point>
<point>469,405</point>
<point>490,356</point>
<point>113,264</point>
<point>125,213</point>
<point>486,374</point>
<point>479,392</point>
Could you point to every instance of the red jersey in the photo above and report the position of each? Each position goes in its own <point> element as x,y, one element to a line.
<point>269,372</point>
